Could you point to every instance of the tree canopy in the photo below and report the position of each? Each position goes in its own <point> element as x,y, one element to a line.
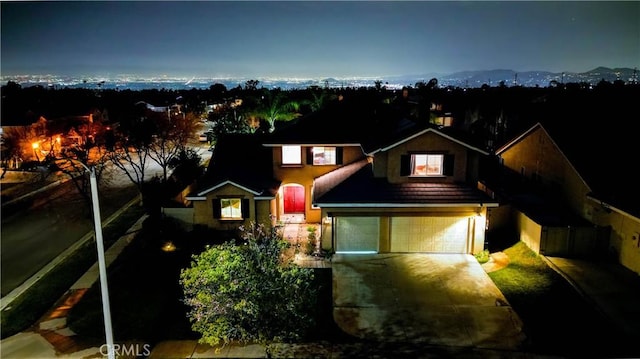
<point>249,292</point>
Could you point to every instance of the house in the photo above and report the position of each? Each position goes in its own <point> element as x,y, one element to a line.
<point>374,180</point>
<point>573,190</point>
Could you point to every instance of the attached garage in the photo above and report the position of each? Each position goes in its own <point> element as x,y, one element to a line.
<point>409,234</point>
<point>429,234</point>
<point>357,234</point>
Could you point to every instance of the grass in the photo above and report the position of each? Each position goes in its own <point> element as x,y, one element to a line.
<point>557,320</point>
<point>31,305</point>
<point>146,307</point>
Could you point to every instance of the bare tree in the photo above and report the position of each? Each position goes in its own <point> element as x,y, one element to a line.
<point>173,130</point>
<point>129,148</point>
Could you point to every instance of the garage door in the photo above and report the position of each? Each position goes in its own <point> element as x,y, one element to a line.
<point>357,234</point>
<point>429,234</point>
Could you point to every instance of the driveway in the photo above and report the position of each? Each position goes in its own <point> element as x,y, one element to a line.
<point>433,299</point>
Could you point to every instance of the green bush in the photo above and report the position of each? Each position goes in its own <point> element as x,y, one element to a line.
<point>483,257</point>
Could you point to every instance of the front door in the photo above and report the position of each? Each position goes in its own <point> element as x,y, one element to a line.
<point>293,199</point>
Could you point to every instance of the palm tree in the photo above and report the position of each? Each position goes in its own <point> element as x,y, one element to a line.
<point>275,106</point>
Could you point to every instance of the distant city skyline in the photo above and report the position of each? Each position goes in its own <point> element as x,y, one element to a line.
<point>305,39</point>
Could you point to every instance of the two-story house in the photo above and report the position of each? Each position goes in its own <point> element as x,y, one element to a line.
<point>374,180</point>
<point>582,197</point>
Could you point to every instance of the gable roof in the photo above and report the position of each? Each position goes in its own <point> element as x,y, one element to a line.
<point>362,189</point>
<point>602,155</point>
<point>239,160</point>
<point>446,132</point>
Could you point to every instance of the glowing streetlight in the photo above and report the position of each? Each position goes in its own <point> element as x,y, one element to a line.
<point>35,147</point>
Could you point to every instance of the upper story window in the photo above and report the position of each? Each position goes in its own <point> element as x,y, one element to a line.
<point>324,155</point>
<point>427,165</point>
<point>291,155</point>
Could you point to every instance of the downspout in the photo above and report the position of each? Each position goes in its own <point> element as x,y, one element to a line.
<point>333,235</point>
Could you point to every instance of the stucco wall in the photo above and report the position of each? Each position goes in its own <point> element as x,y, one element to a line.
<point>530,232</point>
<point>624,241</point>
<point>427,142</point>
<point>304,175</point>
<point>536,155</point>
<point>203,210</point>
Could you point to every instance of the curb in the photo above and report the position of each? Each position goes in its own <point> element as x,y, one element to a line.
<point>42,189</point>
<point>6,300</point>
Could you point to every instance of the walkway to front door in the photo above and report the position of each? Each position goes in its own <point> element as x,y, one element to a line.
<point>298,235</point>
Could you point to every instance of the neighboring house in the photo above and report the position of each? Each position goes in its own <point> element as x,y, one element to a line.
<point>576,202</point>
<point>374,180</point>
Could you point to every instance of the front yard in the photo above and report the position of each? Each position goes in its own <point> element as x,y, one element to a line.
<point>145,294</point>
<point>146,299</point>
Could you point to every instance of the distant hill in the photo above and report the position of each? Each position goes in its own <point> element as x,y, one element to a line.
<point>470,79</point>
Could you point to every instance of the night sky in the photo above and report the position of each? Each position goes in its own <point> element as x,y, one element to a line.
<point>315,39</point>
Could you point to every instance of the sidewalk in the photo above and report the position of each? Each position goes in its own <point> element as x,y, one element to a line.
<point>612,288</point>
<point>51,337</point>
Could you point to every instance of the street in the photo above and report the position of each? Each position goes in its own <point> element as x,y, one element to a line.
<point>51,222</point>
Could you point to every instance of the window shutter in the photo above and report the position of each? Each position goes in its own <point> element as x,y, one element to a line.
<point>245,208</point>
<point>217,210</point>
<point>448,165</point>
<point>309,155</point>
<point>405,165</point>
<point>338,155</point>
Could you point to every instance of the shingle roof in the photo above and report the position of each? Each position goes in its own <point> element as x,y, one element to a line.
<point>242,160</point>
<point>362,189</point>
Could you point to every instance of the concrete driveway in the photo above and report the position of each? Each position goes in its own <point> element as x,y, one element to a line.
<point>433,299</point>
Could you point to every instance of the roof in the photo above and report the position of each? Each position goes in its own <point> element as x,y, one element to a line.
<point>242,161</point>
<point>362,189</point>
<point>363,120</point>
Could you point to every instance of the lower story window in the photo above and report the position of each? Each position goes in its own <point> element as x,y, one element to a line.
<point>231,208</point>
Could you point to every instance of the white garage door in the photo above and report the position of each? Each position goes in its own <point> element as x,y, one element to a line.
<point>429,234</point>
<point>357,234</point>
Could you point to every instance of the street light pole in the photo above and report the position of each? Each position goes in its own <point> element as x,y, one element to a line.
<point>101,261</point>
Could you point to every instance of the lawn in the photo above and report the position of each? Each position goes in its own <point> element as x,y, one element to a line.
<point>145,294</point>
<point>557,320</point>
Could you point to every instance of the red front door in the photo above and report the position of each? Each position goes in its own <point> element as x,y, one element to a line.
<point>294,199</point>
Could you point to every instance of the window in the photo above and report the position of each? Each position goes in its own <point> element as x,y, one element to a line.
<point>324,155</point>
<point>230,208</point>
<point>427,165</point>
<point>291,155</point>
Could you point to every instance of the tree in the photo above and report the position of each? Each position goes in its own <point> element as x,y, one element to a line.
<point>129,148</point>
<point>251,85</point>
<point>275,106</point>
<point>249,293</point>
<point>227,121</point>
<point>173,130</point>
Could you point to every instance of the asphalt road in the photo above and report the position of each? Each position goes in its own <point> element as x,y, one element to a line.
<point>41,227</point>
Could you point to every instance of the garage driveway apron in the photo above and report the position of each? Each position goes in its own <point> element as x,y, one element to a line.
<point>438,299</point>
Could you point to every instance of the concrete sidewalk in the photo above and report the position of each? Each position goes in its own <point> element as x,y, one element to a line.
<point>612,288</point>
<point>51,338</point>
